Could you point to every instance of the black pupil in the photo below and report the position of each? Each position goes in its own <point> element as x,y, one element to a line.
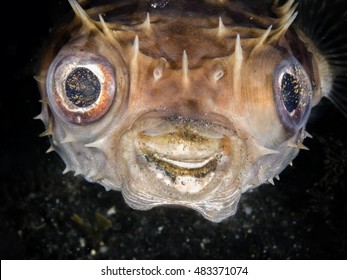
<point>82,87</point>
<point>291,91</point>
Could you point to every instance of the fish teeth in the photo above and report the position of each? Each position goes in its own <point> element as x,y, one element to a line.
<point>186,164</point>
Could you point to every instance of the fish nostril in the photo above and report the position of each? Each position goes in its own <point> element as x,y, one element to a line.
<point>192,105</point>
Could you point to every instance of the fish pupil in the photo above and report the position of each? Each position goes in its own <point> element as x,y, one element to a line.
<point>158,3</point>
<point>82,87</point>
<point>291,91</point>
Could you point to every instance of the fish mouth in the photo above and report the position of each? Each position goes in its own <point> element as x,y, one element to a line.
<point>182,162</point>
<point>174,168</point>
<point>184,159</point>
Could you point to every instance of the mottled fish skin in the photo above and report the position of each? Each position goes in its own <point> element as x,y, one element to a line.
<point>185,103</point>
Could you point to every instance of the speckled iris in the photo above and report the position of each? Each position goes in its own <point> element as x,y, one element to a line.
<point>291,91</point>
<point>82,87</point>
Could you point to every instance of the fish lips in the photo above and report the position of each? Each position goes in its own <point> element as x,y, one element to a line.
<point>173,160</point>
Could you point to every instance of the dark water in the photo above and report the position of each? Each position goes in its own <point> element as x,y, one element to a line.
<point>46,215</point>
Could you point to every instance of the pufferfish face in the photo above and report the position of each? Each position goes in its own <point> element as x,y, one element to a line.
<point>174,105</point>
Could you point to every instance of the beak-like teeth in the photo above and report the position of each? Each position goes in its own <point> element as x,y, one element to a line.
<point>186,164</point>
<point>176,168</point>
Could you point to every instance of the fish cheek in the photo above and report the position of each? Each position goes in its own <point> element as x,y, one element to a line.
<point>258,106</point>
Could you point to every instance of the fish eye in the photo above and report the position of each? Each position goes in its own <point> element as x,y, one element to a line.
<point>80,86</point>
<point>293,93</point>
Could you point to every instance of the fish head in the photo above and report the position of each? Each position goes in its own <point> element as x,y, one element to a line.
<point>176,110</point>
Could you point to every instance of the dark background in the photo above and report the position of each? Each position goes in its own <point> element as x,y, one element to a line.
<point>47,215</point>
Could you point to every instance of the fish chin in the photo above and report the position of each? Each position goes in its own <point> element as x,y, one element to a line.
<point>182,162</point>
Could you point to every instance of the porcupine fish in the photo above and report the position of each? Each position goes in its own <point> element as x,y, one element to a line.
<point>187,103</point>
